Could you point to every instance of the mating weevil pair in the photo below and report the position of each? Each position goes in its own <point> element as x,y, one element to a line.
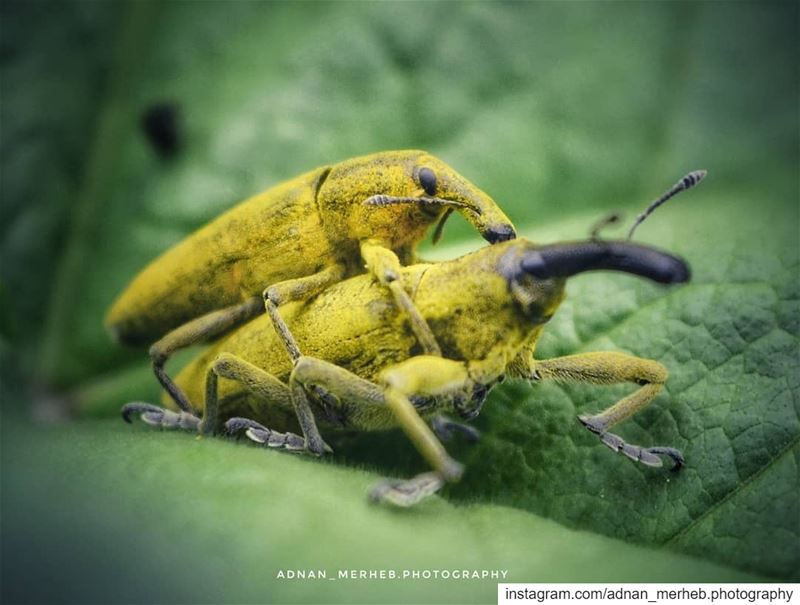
<point>354,363</point>
<point>297,239</point>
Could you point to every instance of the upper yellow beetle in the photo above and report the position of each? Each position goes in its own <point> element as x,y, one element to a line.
<point>292,241</point>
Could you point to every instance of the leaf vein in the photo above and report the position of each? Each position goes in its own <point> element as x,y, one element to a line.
<point>743,485</point>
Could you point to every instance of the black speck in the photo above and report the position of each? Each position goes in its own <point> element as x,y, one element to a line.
<point>161,124</point>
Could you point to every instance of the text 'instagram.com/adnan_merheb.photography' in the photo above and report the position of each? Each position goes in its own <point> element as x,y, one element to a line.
<point>391,574</point>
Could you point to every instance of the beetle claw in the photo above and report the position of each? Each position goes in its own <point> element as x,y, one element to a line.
<point>675,455</point>
<point>406,493</point>
<point>157,416</point>
<point>152,418</point>
<point>139,407</point>
<point>445,429</point>
<point>260,434</point>
<point>236,424</point>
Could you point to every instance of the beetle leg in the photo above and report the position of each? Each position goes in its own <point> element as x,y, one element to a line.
<point>430,377</point>
<point>406,493</point>
<point>289,343</point>
<point>297,289</point>
<point>611,368</point>
<point>385,266</point>
<point>235,368</point>
<point>304,287</point>
<point>264,385</point>
<point>158,416</point>
<point>446,428</point>
<point>261,434</point>
<point>196,331</point>
<point>648,456</point>
<point>426,376</point>
<point>324,378</point>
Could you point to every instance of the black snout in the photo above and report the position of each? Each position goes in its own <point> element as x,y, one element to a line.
<point>565,260</point>
<point>499,233</point>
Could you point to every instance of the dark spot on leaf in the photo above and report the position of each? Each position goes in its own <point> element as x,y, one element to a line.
<point>161,124</point>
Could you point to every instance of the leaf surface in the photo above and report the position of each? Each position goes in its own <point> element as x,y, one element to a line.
<point>562,115</point>
<point>125,515</point>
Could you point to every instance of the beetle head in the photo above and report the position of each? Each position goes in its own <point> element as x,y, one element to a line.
<point>536,274</point>
<point>397,195</point>
<point>444,187</point>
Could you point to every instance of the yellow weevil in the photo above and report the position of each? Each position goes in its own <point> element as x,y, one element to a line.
<point>358,368</point>
<point>294,240</point>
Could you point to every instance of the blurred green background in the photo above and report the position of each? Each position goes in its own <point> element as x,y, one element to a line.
<point>561,112</point>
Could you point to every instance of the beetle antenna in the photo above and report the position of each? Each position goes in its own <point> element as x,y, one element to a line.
<point>687,182</point>
<point>388,200</point>
<point>437,233</point>
<point>610,219</point>
<point>391,200</point>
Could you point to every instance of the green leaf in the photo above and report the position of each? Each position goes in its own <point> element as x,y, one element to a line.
<point>562,113</point>
<point>149,517</point>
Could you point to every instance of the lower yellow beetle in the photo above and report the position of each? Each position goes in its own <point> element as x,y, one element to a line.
<point>294,240</point>
<point>353,362</point>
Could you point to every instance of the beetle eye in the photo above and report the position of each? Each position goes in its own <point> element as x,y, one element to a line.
<point>427,180</point>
